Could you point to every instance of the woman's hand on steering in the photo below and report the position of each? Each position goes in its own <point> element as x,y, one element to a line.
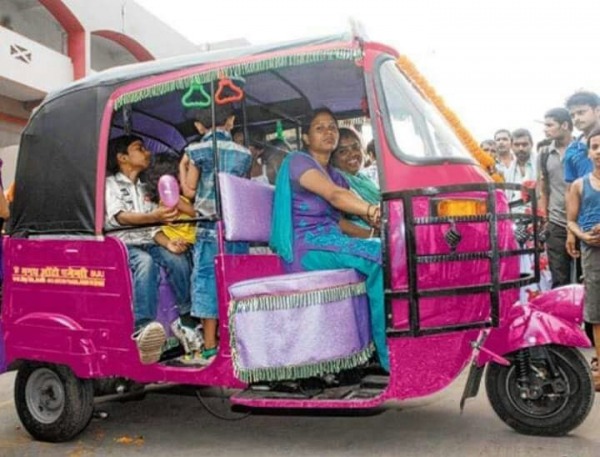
<point>374,216</point>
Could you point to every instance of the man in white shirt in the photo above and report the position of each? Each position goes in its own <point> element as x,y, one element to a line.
<point>524,167</point>
<point>504,156</point>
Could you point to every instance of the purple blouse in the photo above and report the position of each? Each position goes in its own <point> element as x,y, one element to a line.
<point>316,222</point>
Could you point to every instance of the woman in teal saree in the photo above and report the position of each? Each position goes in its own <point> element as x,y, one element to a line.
<point>309,232</point>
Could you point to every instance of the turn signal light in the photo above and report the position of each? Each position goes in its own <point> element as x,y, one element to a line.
<point>462,207</point>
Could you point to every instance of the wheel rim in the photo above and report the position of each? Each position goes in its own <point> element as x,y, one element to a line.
<point>549,403</point>
<point>45,395</point>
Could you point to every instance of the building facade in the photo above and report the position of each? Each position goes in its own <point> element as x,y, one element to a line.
<point>46,44</point>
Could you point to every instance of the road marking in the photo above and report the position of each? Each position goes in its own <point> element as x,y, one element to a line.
<point>6,403</point>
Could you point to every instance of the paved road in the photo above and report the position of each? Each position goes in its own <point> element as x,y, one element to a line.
<point>168,425</point>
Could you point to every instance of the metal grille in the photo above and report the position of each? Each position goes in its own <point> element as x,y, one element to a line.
<point>492,288</point>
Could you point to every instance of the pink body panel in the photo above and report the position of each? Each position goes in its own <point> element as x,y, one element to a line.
<point>2,354</point>
<point>552,318</point>
<point>69,302</point>
<point>451,309</point>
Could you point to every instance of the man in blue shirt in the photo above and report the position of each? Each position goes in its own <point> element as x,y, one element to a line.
<point>584,108</point>
<point>198,181</point>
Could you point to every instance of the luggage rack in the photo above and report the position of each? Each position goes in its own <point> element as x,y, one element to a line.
<point>493,287</point>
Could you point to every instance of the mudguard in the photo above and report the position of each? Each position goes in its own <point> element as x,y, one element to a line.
<point>554,317</point>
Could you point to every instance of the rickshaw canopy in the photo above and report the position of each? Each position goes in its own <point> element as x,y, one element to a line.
<point>58,171</point>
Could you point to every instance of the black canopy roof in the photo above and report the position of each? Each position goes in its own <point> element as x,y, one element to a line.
<point>56,177</point>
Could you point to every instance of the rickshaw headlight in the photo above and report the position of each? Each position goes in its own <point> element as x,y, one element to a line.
<point>460,207</point>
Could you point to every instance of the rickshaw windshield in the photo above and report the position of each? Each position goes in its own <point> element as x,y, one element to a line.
<point>415,126</point>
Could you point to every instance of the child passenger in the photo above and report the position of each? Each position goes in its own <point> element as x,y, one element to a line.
<point>182,235</point>
<point>127,204</point>
<point>197,167</point>
<point>583,220</point>
<point>166,164</point>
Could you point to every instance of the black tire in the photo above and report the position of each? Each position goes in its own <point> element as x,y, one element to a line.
<point>549,415</point>
<point>52,403</point>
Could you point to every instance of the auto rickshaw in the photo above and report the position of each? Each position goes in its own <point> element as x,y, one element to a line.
<point>450,256</point>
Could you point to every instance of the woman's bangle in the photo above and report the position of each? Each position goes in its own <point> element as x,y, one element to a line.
<point>372,232</point>
<point>369,215</point>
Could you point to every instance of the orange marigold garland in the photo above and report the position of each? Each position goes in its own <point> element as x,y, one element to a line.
<point>484,159</point>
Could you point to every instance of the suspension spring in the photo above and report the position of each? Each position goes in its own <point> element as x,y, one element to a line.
<point>522,365</point>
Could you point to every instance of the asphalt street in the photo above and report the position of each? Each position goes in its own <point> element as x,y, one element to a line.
<point>173,425</point>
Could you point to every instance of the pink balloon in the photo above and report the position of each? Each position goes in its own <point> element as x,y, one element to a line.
<point>168,189</point>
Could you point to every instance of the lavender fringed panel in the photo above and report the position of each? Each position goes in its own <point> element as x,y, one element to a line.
<point>299,325</point>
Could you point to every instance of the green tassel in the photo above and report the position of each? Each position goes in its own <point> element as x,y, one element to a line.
<point>236,71</point>
<point>279,130</point>
<point>297,300</point>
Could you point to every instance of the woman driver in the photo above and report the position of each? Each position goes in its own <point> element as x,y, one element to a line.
<point>308,230</point>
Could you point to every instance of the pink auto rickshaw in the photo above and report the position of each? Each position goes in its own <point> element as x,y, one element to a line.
<point>449,253</point>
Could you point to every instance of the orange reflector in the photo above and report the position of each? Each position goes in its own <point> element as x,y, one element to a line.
<point>448,208</point>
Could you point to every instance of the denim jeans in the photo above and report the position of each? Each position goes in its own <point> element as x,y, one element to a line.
<point>145,262</point>
<point>204,285</point>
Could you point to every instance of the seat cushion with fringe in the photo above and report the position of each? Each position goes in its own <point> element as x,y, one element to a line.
<point>299,325</point>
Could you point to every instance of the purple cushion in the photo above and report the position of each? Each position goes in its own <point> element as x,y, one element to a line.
<point>247,206</point>
<point>299,325</point>
<point>293,283</point>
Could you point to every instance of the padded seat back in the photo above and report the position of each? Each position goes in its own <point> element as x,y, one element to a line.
<point>247,207</point>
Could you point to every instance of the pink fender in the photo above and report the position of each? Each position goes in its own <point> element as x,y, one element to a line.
<point>551,318</point>
<point>565,302</point>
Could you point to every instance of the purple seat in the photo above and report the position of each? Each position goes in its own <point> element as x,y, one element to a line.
<point>295,325</point>
<point>299,325</point>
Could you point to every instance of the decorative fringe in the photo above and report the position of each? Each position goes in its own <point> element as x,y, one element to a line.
<point>302,371</point>
<point>485,160</point>
<point>238,70</point>
<point>297,300</point>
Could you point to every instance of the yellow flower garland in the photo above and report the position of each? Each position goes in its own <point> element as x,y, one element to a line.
<point>485,160</point>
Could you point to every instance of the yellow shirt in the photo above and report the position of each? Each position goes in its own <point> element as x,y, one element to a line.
<point>185,232</point>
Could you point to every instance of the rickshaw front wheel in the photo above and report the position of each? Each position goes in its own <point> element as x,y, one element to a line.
<point>545,391</point>
<point>52,403</point>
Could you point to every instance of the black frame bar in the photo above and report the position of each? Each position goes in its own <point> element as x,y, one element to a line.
<point>493,287</point>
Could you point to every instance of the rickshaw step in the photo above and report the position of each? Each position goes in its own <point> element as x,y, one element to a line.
<point>368,387</point>
<point>375,381</point>
<point>333,393</point>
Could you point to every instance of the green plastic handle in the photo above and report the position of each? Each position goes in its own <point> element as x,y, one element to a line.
<point>187,101</point>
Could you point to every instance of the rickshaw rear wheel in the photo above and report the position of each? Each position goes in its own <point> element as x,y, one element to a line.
<point>549,405</point>
<point>52,403</point>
